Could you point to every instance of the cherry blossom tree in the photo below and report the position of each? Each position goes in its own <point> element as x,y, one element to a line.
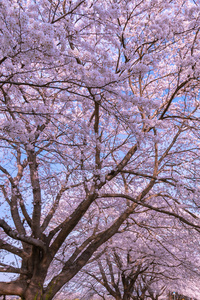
<point>99,119</point>
<point>144,263</point>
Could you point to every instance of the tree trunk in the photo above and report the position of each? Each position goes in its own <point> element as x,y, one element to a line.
<point>126,297</point>
<point>34,291</point>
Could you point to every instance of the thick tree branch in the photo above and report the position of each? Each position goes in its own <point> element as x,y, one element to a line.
<point>12,249</point>
<point>69,272</point>
<point>15,235</point>
<point>71,221</point>
<point>13,202</point>
<point>12,288</point>
<point>37,198</point>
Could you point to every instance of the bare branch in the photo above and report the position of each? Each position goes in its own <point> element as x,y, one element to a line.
<point>15,235</point>
<point>12,249</point>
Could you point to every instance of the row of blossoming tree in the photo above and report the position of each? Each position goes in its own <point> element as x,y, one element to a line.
<point>149,261</point>
<point>99,146</point>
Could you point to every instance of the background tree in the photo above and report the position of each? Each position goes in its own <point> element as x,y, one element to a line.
<point>99,117</point>
<point>143,263</point>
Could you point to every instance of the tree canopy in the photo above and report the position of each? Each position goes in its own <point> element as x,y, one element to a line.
<point>99,114</point>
